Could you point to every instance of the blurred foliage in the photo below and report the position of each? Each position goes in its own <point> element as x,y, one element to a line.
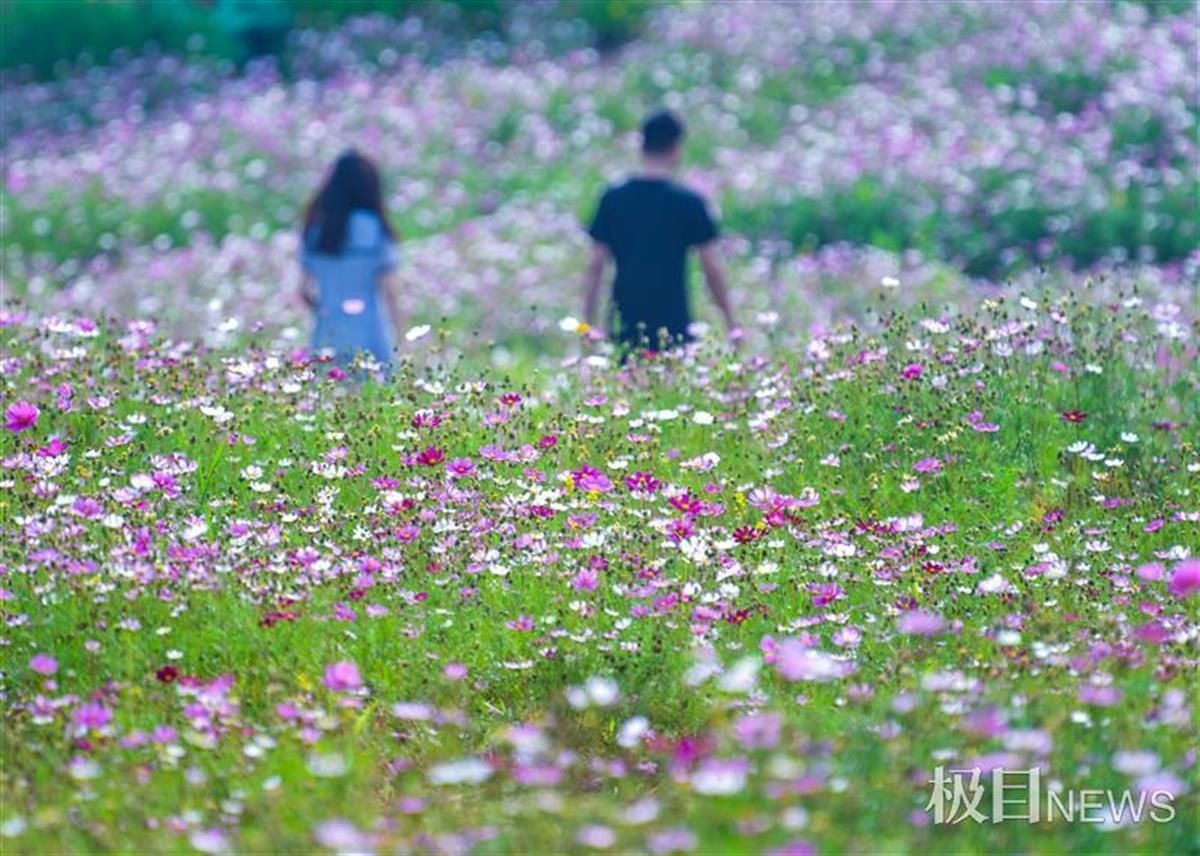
<point>41,35</point>
<point>613,22</point>
<point>476,14</point>
<point>1167,7</point>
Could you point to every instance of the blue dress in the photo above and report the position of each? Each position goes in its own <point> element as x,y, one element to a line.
<point>349,318</point>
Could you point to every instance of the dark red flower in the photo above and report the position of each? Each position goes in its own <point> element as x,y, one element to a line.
<point>273,618</point>
<point>167,674</point>
<point>747,534</point>
<point>431,457</point>
<point>1073,416</point>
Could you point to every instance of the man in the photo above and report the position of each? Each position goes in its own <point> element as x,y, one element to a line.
<point>647,225</point>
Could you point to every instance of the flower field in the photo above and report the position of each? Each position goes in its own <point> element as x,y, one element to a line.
<point>940,508</point>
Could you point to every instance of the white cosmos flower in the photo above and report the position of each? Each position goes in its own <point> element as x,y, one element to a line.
<point>742,677</point>
<point>464,771</point>
<point>570,324</point>
<point>632,732</point>
<point>414,333</point>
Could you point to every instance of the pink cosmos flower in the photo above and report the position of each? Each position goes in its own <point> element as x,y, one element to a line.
<point>586,580</point>
<point>21,416</point>
<point>343,676</point>
<point>912,371</point>
<point>758,730</point>
<point>57,446</point>
<point>591,480</point>
<point>460,468</point>
<point>341,836</point>
<point>92,716</point>
<point>1151,572</point>
<point>920,623</point>
<point>677,839</point>
<point>794,848</point>
<point>1185,578</point>
<point>928,465</point>
<point>796,661</point>
<point>641,482</point>
<point>43,664</point>
<point>87,507</point>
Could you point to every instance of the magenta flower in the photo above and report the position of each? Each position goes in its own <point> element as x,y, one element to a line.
<point>591,480</point>
<point>460,468</point>
<point>43,664</point>
<point>912,371</point>
<point>342,677</point>
<point>92,716</point>
<point>794,848</point>
<point>21,416</point>
<point>1151,572</point>
<point>586,580</point>
<point>1185,578</point>
<point>641,482</point>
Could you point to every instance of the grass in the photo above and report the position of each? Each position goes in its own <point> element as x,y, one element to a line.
<point>320,546</point>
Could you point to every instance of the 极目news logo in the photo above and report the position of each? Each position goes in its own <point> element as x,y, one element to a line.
<point>960,795</point>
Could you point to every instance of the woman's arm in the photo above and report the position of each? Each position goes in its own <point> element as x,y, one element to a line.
<point>308,294</point>
<point>389,284</point>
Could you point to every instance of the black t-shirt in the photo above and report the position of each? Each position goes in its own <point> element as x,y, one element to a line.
<point>649,224</point>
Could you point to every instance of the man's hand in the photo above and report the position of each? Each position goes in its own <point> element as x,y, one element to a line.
<point>593,280</point>
<point>714,276</point>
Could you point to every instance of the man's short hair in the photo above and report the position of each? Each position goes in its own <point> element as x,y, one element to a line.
<point>661,133</point>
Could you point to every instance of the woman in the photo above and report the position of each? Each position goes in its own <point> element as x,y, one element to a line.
<point>349,252</point>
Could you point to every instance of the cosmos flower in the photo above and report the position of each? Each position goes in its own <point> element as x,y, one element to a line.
<point>91,716</point>
<point>43,664</point>
<point>1185,578</point>
<point>920,623</point>
<point>342,676</point>
<point>21,416</point>
<point>928,465</point>
<point>795,661</point>
<point>460,468</point>
<point>590,480</point>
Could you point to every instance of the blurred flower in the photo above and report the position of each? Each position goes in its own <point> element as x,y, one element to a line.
<point>43,664</point>
<point>342,676</point>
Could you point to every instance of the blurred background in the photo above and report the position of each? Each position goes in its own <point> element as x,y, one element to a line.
<point>157,152</point>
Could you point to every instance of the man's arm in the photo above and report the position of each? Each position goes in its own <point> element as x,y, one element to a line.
<point>714,276</point>
<point>593,280</point>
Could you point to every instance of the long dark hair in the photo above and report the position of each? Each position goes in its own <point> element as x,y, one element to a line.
<point>352,185</point>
